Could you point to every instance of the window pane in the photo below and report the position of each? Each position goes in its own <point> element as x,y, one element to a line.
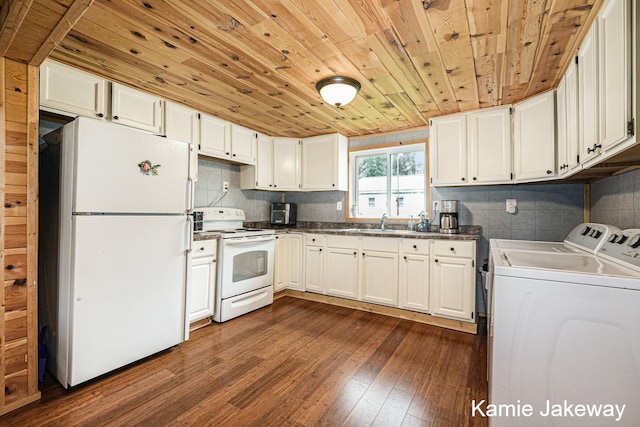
<point>407,183</point>
<point>372,185</point>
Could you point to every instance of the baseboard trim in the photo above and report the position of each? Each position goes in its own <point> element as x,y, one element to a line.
<point>456,325</point>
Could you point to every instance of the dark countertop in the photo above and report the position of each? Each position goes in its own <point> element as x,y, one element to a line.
<point>467,232</point>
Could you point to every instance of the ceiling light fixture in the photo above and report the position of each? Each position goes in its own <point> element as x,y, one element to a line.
<point>338,90</point>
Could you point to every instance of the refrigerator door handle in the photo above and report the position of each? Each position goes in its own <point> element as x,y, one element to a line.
<point>189,193</point>
<point>190,225</point>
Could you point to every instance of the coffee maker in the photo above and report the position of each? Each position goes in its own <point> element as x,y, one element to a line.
<point>449,217</point>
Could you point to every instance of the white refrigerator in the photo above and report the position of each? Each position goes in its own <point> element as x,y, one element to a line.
<point>114,238</point>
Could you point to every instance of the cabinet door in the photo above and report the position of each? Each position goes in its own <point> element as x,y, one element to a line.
<point>567,119</point>
<point>314,269</point>
<point>135,108</point>
<point>535,138</point>
<point>489,145</point>
<point>380,277</point>
<point>614,30</point>
<point>452,287</point>
<point>588,95</point>
<point>215,139</point>
<point>264,162</point>
<point>181,123</point>
<point>448,157</point>
<point>324,164</point>
<point>72,92</point>
<point>341,275</point>
<point>243,145</point>
<point>414,282</point>
<point>286,163</point>
<point>296,263</point>
<point>281,262</point>
<point>201,294</point>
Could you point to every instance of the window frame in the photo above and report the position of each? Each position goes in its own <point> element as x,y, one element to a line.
<point>385,147</point>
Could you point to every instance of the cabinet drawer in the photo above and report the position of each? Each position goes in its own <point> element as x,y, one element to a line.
<point>453,248</point>
<point>315,239</point>
<point>382,244</point>
<point>415,246</point>
<point>202,248</point>
<point>345,242</point>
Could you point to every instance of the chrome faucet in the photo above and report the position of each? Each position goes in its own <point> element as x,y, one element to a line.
<point>383,221</point>
<point>411,224</point>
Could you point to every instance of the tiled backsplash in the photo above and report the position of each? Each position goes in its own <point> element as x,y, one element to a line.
<point>616,200</point>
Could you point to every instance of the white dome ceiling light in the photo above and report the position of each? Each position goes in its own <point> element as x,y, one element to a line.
<point>338,90</point>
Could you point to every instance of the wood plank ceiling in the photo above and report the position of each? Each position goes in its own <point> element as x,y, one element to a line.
<point>256,62</point>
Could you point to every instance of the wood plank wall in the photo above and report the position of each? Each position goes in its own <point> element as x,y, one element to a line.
<point>18,234</point>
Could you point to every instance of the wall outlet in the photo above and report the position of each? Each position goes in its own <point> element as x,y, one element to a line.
<point>436,205</point>
<point>339,206</point>
<point>512,206</point>
<point>225,186</point>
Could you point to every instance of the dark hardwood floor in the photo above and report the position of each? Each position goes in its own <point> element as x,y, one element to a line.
<point>295,363</point>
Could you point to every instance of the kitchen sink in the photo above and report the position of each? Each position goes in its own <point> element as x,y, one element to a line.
<point>376,231</point>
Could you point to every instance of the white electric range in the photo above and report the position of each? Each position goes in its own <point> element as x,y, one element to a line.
<point>564,327</point>
<point>245,261</point>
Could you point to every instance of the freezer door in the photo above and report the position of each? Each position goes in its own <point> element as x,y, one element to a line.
<point>127,291</point>
<point>124,170</point>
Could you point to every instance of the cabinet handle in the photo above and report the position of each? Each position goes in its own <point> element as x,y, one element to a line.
<point>453,249</point>
<point>475,179</point>
<point>405,257</point>
<point>100,115</point>
<point>313,240</point>
<point>115,117</point>
<point>320,250</point>
<point>202,249</point>
<point>355,253</point>
<point>436,260</point>
<point>233,155</point>
<point>415,246</point>
<point>549,171</point>
<point>333,185</point>
<point>274,186</point>
<point>227,153</point>
<point>463,179</point>
<point>362,254</point>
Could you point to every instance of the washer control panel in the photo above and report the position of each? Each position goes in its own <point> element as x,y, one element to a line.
<point>623,246</point>
<point>590,236</point>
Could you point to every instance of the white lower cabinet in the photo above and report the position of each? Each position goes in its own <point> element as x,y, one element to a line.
<point>414,275</point>
<point>453,279</point>
<point>203,279</point>
<point>314,261</point>
<point>429,276</point>
<point>288,262</point>
<point>341,275</point>
<point>379,270</point>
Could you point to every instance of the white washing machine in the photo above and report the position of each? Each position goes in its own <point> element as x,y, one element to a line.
<point>564,332</point>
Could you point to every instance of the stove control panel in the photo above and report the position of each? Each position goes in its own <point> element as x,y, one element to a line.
<point>623,246</point>
<point>590,236</point>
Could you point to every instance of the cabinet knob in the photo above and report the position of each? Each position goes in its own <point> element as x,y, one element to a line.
<point>453,249</point>
<point>233,155</point>
<point>274,186</point>
<point>475,178</point>
<point>363,254</point>
<point>202,248</point>
<point>355,253</point>
<point>405,257</point>
<point>320,250</point>
<point>464,179</point>
<point>100,115</point>
<point>333,185</point>
<point>115,117</point>
<point>436,260</point>
<point>313,240</point>
<point>415,246</point>
<point>549,171</point>
<point>227,153</point>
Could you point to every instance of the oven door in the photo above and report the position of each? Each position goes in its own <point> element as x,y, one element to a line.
<point>247,264</point>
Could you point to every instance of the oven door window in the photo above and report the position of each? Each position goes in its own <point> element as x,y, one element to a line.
<point>247,265</point>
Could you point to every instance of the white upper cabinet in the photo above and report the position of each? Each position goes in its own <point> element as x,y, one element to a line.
<point>68,91</point>
<point>286,164</point>
<point>448,158</point>
<point>489,145</point>
<point>614,47</point>
<point>137,109</point>
<point>181,123</point>
<point>534,138</point>
<point>243,145</point>
<point>260,175</point>
<point>324,163</point>
<point>215,137</point>
<point>588,95</point>
<point>568,158</point>
<point>471,148</point>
